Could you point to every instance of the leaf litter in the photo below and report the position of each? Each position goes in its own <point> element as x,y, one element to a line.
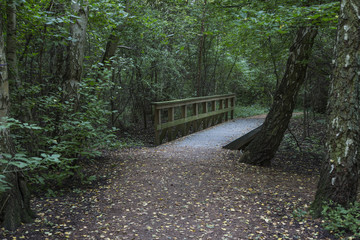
<point>184,193</point>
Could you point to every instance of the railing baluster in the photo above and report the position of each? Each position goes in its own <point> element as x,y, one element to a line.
<point>213,109</point>
<point>226,107</point>
<point>157,123</point>
<point>221,106</point>
<point>171,117</point>
<point>213,115</point>
<point>184,116</point>
<point>233,106</point>
<point>195,113</point>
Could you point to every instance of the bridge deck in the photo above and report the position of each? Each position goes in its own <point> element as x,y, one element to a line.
<point>219,135</point>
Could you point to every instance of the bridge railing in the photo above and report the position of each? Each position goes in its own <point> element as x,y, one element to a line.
<point>179,117</point>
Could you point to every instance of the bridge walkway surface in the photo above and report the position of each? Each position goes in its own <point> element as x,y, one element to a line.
<point>218,135</point>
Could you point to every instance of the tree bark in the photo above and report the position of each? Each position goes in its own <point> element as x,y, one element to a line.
<point>112,46</point>
<point>57,51</point>
<point>339,175</point>
<point>11,43</point>
<point>263,148</point>
<point>199,77</point>
<point>76,49</point>
<point>15,202</point>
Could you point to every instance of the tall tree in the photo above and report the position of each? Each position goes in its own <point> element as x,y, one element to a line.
<point>15,202</point>
<point>200,78</point>
<point>263,148</point>
<point>339,176</point>
<point>76,49</point>
<point>11,41</point>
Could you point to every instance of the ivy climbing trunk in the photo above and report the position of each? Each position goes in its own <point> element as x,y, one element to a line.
<point>14,201</point>
<point>263,148</point>
<point>76,49</point>
<point>339,175</point>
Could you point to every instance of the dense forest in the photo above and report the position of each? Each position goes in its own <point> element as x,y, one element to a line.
<point>78,79</point>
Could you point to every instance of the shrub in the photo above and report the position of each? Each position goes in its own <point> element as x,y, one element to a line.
<point>342,221</point>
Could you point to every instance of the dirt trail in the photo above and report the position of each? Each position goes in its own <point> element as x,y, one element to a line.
<point>187,189</point>
<point>191,188</point>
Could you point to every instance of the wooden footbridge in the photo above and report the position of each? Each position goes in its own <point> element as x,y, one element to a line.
<point>183,116</point>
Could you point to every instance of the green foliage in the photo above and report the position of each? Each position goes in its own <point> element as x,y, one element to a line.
<point>4,185</point>
<point>21,161</point>
<point>69,130</point>
<point>247,111</point>
<point>299,214</point>
<point>341,221</point>
<point>244,51</point>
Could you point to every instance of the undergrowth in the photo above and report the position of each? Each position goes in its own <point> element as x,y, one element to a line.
<point>252,110</point>
<point>342,222</point>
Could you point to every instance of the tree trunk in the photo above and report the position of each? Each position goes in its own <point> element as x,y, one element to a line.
<point>112,46</point>
<point>339,174</point>
<point>14,202</point>
<point>263,148</point>
<point>199,78</point>
<point>11,42</point>
<point>57,51</point>
<point>76,49</point>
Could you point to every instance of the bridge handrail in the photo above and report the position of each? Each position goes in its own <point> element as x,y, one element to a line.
<point>225,103</point>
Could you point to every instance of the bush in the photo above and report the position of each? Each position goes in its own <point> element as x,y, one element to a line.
<point>342,221</point>
<point>71,129</point>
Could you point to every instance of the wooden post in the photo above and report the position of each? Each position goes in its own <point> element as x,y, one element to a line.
<point>226,106</point>
<point>233,106</point>
<point>195,113</point>
<point>221,106</point>
<point>171,117</point>
<point>204,110</point>
<point>184,115</point>
<point>213,108</point>
<point>157,122</point>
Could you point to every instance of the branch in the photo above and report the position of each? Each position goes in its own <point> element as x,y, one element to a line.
<point>297,142</point>
<point>126,47</point>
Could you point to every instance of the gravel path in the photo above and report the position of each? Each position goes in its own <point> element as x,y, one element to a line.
<point>219,135</point>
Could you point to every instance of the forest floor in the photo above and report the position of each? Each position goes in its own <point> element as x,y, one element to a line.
<point>177,192</point>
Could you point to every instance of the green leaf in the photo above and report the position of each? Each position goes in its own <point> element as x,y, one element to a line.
<point>18,164</point>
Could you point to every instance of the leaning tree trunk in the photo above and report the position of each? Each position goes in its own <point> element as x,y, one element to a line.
<point>76,49</point>
<point>14,202</point>
<point>339,176</point>
<point>263,148</point>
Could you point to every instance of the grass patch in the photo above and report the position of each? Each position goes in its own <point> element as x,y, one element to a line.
<point>247,111</point>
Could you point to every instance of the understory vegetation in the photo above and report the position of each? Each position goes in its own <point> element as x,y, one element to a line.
<point>164,50</point>
<point>78,80</point>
